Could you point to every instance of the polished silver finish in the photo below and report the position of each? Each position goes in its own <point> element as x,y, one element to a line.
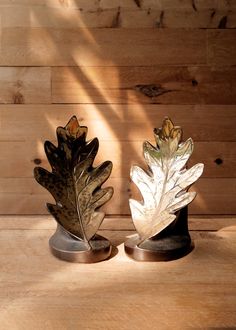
<point>164,186</point>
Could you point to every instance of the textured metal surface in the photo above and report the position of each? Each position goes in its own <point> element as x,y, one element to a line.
<point>164,186</point>
<point>74,183</point>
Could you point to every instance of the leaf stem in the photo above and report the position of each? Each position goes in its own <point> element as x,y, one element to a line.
<point>79,214</point>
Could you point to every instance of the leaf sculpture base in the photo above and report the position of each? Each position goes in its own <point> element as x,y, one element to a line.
<point>172,243</point>
<point>164,249</point>
<point>66,247</point>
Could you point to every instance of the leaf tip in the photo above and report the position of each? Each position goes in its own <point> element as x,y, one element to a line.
<point>37,173</point>
<point>74,129</point>
<point>133,169</point>
<point>109,165</point>
<point>201,168</point>
<point>110,191</point>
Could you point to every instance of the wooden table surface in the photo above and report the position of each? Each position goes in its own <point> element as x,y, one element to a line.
<point>39,291</point>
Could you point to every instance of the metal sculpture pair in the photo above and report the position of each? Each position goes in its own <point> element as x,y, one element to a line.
<point>160,220</point>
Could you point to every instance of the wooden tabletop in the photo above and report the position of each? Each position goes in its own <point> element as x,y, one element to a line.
<point>39,291</point>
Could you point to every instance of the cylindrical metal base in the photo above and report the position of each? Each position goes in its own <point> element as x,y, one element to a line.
<point>66,247</point>
<point>165,249</point>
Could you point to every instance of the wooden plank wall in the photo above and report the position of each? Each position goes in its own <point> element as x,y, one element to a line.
<point>120,66</point>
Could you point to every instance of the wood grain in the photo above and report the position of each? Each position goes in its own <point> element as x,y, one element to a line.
<point>36,288</point>
<point>163,85</point>
<point>25,196</point>
<point>117,15</point>
<point>25,85</point>
<point>18,158</point>
<point>121,67</point>
<point>101,47</point>
<point>115,223</point>
<point>88,5</point>
<point>118,122</point>
<point>179,17</point>
<point>221,47</point>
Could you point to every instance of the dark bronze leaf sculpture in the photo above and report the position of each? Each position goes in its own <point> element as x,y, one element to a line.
<point>76,187</point>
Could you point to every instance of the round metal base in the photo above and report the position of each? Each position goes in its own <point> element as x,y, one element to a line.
<point>164,249</point>
<point>66,247</point>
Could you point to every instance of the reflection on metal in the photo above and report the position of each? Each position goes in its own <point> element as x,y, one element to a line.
<point>160,224</point>
<point>76,187</point>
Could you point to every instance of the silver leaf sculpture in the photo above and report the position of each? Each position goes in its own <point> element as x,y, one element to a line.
<point>164,186</point>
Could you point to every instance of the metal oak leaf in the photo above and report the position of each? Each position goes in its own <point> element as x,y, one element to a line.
<point>164,186</point>
<point>74,183</point>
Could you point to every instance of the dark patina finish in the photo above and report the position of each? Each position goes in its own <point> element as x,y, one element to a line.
<point>76,187</point>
